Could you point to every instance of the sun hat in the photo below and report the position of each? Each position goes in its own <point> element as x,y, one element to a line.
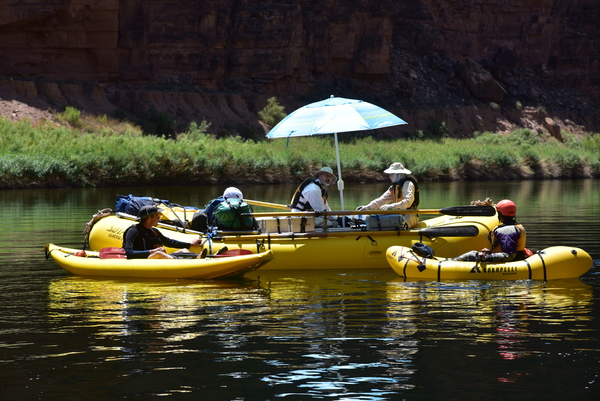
<point>233,192</point>
<point>327,170</point>
<point>397,168</point>
<point>148,210</point>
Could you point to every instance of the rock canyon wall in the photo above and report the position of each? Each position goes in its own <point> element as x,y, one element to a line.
<point>475,65</point>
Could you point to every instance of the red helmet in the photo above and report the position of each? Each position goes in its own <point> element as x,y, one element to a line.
<point>507,207</point>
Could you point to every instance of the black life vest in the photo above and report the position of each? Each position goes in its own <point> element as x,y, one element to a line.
<point>396,190</point>
<point>145,239</point>
<point>296,202</point>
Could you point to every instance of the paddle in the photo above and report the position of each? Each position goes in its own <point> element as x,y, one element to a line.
<point>452,231</point>
<point>450,211</point>
<point>449,231</point>
<point>267,204</point>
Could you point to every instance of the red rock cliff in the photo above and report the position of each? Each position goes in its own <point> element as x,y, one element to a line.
<point>426,60</point>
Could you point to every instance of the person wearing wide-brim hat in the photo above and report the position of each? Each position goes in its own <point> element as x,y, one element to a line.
<point>143,241</point>
<point>312,195</point>
<point>403,194</point>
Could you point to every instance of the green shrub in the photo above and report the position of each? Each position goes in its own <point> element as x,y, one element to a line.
<point>489,138</point>
<point>273,113</point>
<point>530,158</point>
<point>499,157</point>
<point>591,143</point>
<point>524,137</point>
<point>195,131</point>
<point>72,116</point>
<point>569,160</point>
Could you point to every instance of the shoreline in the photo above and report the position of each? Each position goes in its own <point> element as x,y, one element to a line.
<point>356,177</point>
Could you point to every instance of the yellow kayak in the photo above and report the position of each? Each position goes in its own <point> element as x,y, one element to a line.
<point>207,268</point>
<point>334,248</point>
<point>557,262</point>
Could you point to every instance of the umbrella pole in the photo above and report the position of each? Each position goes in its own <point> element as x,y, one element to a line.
<point>340,182</point>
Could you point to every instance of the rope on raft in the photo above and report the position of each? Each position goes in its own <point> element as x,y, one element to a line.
<point>88,227</point>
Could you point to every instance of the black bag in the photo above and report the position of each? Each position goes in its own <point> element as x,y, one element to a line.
<point>199,221</point>
<point>422,250</point>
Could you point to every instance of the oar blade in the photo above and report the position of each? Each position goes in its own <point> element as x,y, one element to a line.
<point>451,231</point>
<point>469,211</point>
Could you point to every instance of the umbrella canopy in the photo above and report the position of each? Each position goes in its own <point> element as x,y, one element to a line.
<point>331,116</point>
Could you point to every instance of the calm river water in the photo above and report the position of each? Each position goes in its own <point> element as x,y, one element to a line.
<point>333,335</point>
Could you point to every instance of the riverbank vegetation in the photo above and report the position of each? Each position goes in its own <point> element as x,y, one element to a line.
<point>86,151</point>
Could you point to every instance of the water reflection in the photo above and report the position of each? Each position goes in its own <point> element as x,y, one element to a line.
<point>312,332</point>
<point>498,312</point>
<point>160,305</point>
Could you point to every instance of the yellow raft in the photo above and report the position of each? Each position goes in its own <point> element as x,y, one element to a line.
<point>557,262</point>
<point>207,268</point>
<point>334,248</point>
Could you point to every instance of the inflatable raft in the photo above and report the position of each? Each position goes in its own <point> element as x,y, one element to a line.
<point>207,268</point>
<point>557,262</point>
<point>296,244</point>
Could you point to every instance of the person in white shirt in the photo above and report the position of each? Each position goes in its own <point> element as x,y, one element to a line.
<point>403,194</point>
<point>312,195</point>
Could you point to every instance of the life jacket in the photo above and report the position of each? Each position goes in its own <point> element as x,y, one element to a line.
<point>296,203</point>
<point>507,236</point>
<point>396,190</point>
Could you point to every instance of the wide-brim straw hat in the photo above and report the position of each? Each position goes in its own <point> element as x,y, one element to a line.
<point>397,168</point>
<point>327,170</point>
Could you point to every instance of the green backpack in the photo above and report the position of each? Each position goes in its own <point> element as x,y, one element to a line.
<point>228,215</point>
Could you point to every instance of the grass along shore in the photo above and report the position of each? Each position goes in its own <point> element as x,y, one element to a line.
<point>100,152</point>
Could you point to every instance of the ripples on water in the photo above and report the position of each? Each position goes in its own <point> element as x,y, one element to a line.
<point>363,335</point>
<point>358,336</point>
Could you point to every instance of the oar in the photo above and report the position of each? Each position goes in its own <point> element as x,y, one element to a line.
<point>267,204</point>
<point>449,231</point>
<point>451,211</point>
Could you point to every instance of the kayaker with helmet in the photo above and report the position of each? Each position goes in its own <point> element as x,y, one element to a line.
<point>143,241</point>
<point>312,195</point>
<point>403,194</point>
<point>507,240</point>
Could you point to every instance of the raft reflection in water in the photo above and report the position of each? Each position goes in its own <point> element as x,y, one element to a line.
<point>299,333</point>
<point>506,313</point>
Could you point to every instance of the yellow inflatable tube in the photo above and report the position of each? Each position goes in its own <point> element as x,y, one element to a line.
<point>207,268</point>
<point>557,262</point>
